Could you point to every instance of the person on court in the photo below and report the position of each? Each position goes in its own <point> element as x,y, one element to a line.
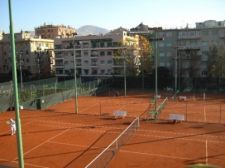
<point>12,124</point>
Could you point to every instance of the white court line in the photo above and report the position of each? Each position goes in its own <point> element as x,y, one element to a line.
<point>206,152</point>
<point>68,144</point>
<point>82,146</point>
<point>158,155</point>
<point>184,134</point>
<point>77,124</point>
<point>181,138</point>
<point>53,124</point>
<point>45,142</point>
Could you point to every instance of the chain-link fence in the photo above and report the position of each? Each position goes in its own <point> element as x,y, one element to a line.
<point>199,111</point>
<point>43,93</point>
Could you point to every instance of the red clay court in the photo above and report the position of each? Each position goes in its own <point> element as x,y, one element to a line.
<point>57,137</point>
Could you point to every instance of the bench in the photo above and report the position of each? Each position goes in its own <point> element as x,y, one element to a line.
<point>176,117</point>
<point>169,89</point>
<point>182,98</point>
<point>158,96</point>
<point>119,114</point>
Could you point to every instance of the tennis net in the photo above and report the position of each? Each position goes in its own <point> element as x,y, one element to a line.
<point>103,159</point>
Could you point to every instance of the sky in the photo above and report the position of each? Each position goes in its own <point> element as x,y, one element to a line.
<point>110,14</point>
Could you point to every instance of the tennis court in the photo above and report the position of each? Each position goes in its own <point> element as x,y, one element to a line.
<point>57,137</point>
<point>210,110</point>
<point>162,144</point>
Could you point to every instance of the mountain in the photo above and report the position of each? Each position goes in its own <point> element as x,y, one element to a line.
<point>89,29</point>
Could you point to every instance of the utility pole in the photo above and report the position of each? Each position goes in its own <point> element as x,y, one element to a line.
<point>156,39</point>
<point>156,71</point>
<point>75,76</point>
<point>125,75</point>
<point>21,73</point>
<point>175,72</point>
<point>16,95</point>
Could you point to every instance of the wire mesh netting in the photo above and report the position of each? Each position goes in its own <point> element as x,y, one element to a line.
<point>5,95</point>
<point>104,158</point>
<point>43,93</point>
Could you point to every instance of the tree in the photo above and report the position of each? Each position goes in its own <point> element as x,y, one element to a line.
<point>146,63</point>
<point>145,55</point>
<point>217,62</point>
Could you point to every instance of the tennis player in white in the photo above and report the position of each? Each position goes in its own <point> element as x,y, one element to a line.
<point>13,126</point>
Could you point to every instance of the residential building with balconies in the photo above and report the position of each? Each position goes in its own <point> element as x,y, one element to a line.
<point>95,56</point>
<point>185,52</point>
<point>34,55</point>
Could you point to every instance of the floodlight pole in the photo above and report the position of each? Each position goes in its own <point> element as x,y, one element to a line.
<point>16,96</point>
<point>21,73</point>
<point>156,71</point>
<point>75,75</point>
<point>125,76</point>
<point>175,72</point>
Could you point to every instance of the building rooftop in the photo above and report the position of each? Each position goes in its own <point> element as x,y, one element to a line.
<point>54,26</point>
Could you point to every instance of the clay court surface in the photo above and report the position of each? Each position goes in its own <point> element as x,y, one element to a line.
<point>56,137</point>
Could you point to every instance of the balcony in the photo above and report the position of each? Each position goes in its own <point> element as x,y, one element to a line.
<point>59,66</point>
<point>188,35</point>
<point>189,47</point>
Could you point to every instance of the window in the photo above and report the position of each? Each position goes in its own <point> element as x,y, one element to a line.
<point>161,54</point>
<point>109,61</point>
<point>204,73</point>
<point>168,54</point>
<point>161,44</point>
<point>102,61</point>
<point>169,44</point>
<point>109,53</point>
<point>102,71</point>
<point>102,44</point>
<point>168,64</point>
<point>102,53</point>
<point>85,53</point>
<point>109,71</point>
<point>161,64</point>
<point>205,32</point>
<point>109,44</point>
<point>214,32</point>
<point>86,61</point>
<point>94,71</point>
<point>86,71</point>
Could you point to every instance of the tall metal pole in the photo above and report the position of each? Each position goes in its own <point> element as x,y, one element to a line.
<point>75,76</point>
<point>175,72</point>
<point>156,71</point>
<point>16,96</point>
<point>39,67</point>
<point>125,75</point>
<point>21,74</point>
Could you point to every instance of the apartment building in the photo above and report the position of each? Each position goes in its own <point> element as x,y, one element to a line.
<point>185,52</point>
<point>55,31</point>
<point>96,56</point>
<point>34,58</point>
